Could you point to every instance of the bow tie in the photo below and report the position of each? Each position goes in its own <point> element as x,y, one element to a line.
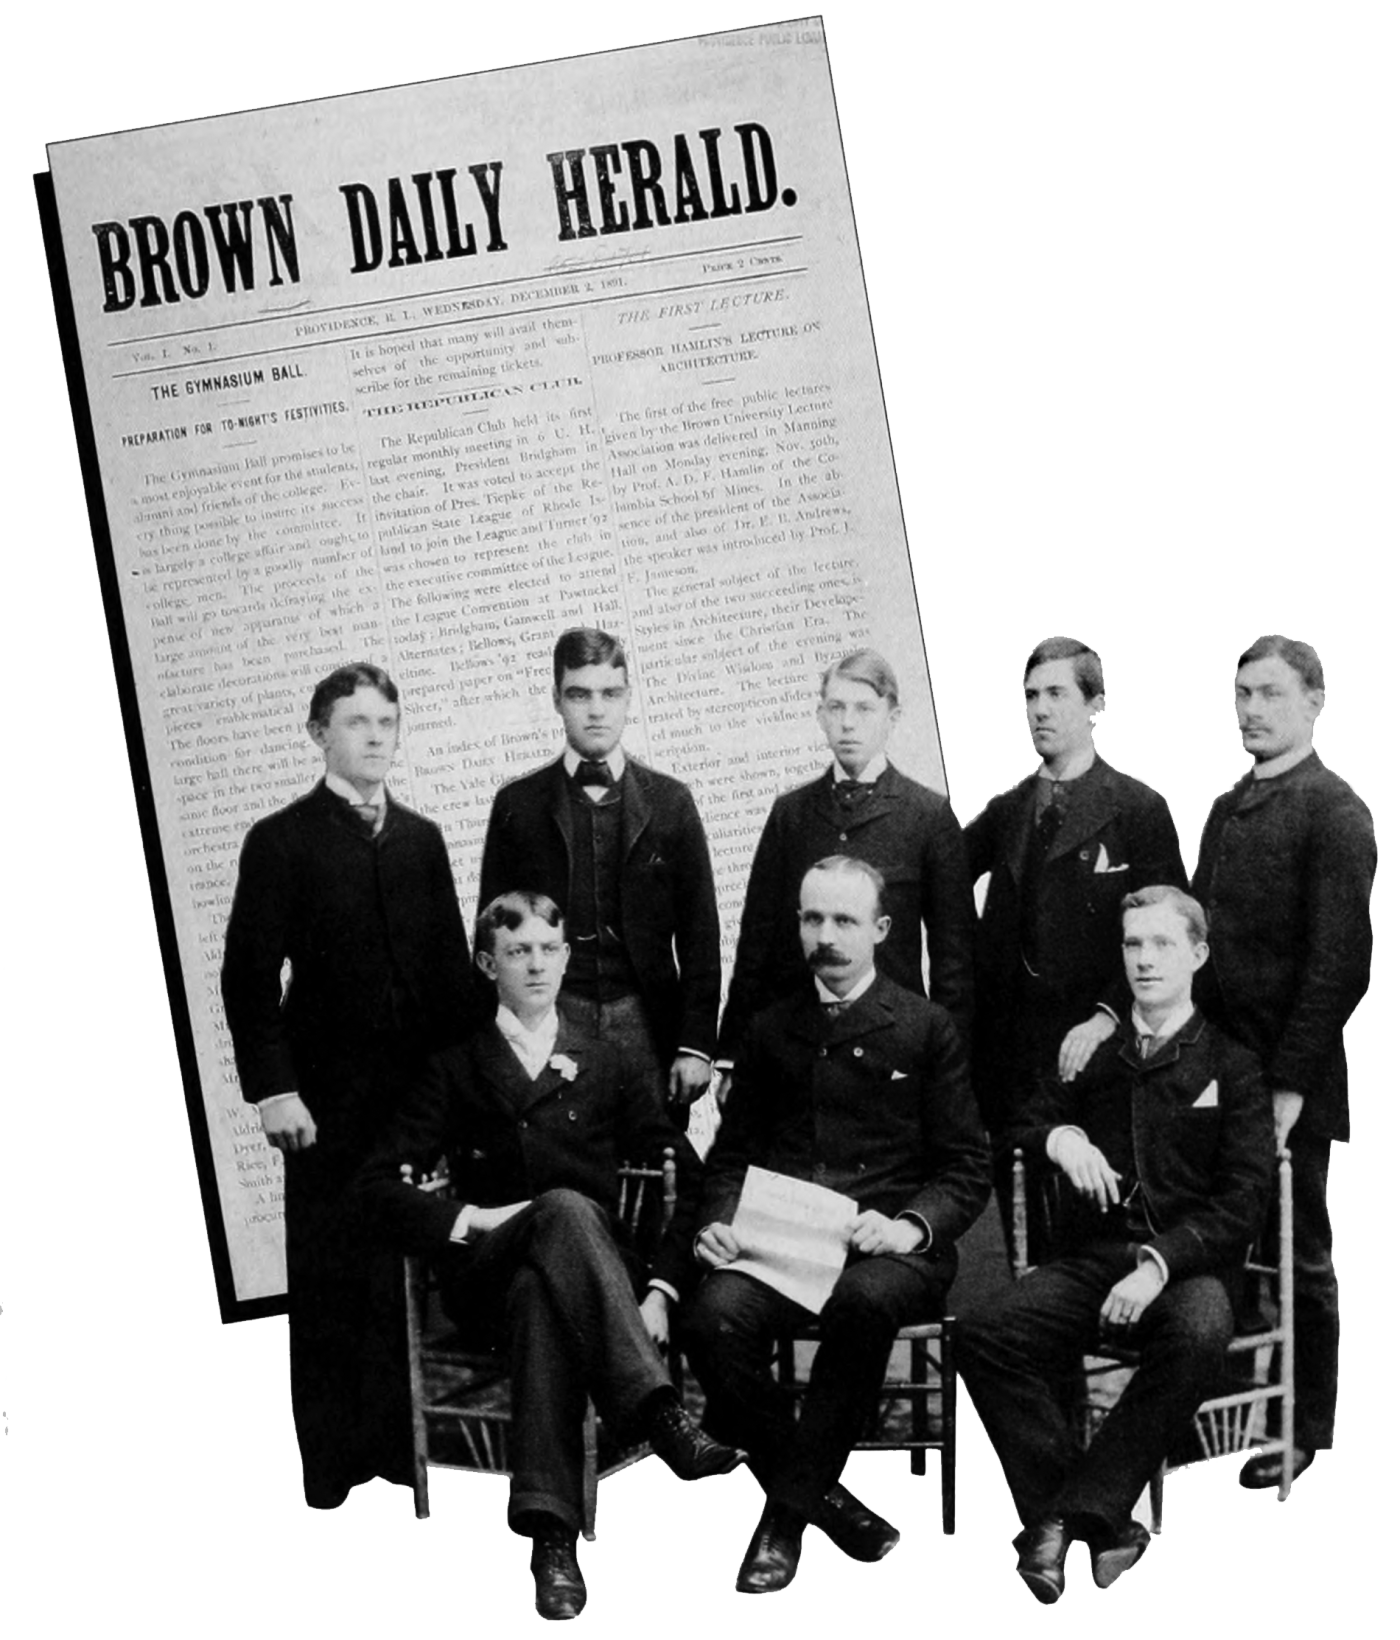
<point>852,793</point>
<point>593,773</point>
<point>833,1009</point>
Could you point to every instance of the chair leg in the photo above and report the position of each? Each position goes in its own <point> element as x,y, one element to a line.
<point>1156,1489</point>
<point>918,1404</point>
<point>590,1472</point>
<point>413,1297</point>
<point>948,1455</point>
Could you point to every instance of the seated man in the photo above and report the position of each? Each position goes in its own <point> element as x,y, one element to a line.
<point>858,1085</point>
<point>535,1119</point>
<point>1166,1137</point>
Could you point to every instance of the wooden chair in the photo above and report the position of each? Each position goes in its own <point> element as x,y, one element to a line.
<point>1235,1420</point>
<point>461,1392</point>
<point>928,1377</point>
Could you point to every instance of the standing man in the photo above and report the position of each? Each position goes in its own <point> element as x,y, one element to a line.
<point>856,1084</point>
<point>535,1118</point>
<point>355,893</point>
<point>1062,848</point>
<point>1164,1141</point>
<point>1285,870</point>
<point>621,850</point>
<point>862,806</point>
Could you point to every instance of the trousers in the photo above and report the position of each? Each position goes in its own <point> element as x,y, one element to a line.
<point>1020,1352</point>
<point>730,1328</point>
<point>551,1286</point>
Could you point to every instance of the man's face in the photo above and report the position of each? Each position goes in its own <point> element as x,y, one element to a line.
<point>1276,714</point>
<point>839,926</point>
<point>359,738</point>
<point>592,700</point>
<point>527,966</point>
<point>1159,956</point>
<point>856,722</point>
<point>1060,719</point>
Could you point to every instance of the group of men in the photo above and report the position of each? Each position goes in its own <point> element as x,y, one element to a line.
<point>878,1038</point>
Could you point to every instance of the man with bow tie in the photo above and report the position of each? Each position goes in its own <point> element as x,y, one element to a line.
<point>354,893</point>
<point>1165,1142</point>
<point>863,806</point>
<point>853,1083</point>
<point>1287,859</point>
<point>621,850</point>
<point>1060,851</point>
<point>535,1116</point>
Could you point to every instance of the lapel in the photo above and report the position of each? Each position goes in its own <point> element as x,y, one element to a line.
<point>559,810</point>
<point>881,801</point>
<point>502,1076</point>
<point>1018,837</point>
<point>1094,804</point>
<point>514,1089</point>
<point>808,1019</point>
<point>1256,793</point>
<point>338,813</point>
<point>636,809</point>
<point>1188,1035</point>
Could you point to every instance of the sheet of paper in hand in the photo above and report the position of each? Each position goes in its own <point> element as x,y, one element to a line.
<point>794,1235</point>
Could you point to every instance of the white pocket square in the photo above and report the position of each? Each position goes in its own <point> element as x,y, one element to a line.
<point>899,1076</point>
<point>1209,1099</point>
<point>1101,865</point>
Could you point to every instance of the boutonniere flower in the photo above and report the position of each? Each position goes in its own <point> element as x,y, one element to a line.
<point>566,1067</point>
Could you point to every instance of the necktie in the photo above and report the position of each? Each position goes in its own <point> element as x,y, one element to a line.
<point>852,793</point>
<point>592,773</point>
<point>370,815</point>
<point>833,1009</point>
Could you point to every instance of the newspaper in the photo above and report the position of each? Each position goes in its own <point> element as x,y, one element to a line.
<point>794,1235</point>
<point>425,376</point>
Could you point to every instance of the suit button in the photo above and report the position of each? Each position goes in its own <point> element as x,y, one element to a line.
<point>1084,854</point>
<point>844,836</point>
<point>821,1053</point>
<point>523,1122</point>
<point>859,1052</point>
<point>573,1116</point>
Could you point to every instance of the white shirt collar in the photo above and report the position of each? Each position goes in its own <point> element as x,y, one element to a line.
<point>1282,763</point>
<point>616,760</point>
<point>531,1047</point>
<point>862,985</point>
<point>867,776</point>
<point>342,788</point>
<point>1080,764</point>
<point>1169,1026</point>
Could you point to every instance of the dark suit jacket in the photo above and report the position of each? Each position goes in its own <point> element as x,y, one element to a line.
<point>1118,836</point>
<point>1205,1168</point>
<point>508,1139</point>
<point>912,837</point>
<point>378,955</point>
<point>1285,875</point>
<point>670,924</point>
<point>875,1103</point>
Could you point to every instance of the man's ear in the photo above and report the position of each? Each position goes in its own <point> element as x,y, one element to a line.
<point>882,927</point>
<point>317,731</point>
<point>486,962</point>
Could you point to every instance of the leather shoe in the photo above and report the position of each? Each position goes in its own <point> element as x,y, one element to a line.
<point>770,1562</point>
<point>684,1447</point>
<point>1112,1554</point>
<point>559,1590</point>
<point>1042,1549</point>
<point>1265,1469</point>
<point>855,1530</point>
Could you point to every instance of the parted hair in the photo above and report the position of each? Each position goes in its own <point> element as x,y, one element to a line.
<point>1302,657</point>
<point>1192,912</point>
<point>344,681</point>
<point>865,666</point>
<point>1088,668</point>
<point>510,910</point>
<point>848,865</point>
<point>586,646</point>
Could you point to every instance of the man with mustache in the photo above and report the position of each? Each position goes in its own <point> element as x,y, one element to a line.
<point>856,1084</point>
<point>1285,871</point>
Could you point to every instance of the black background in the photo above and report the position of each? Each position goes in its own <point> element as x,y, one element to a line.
<point>1117,373</point>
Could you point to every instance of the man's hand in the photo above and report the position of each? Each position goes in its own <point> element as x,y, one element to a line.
<point>1079,1044</point>
<point>656,1317</point>
<point>1128,1298</point>
<point>873,1233</point>
<point>1086,1167</point>
<point>716,1246</point>
<point>689,1079</point>
<point>1288,1107</point>
<point>722,1087</point>
<point>287,1124</point>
